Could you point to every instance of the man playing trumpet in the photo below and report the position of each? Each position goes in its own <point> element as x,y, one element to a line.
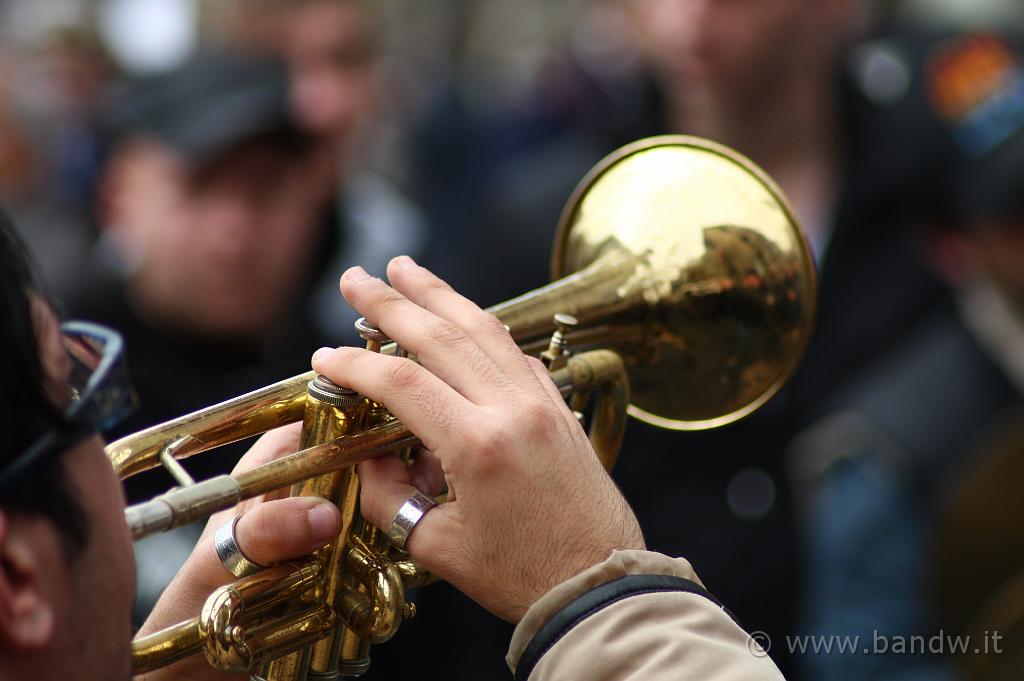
<point>533,528</point>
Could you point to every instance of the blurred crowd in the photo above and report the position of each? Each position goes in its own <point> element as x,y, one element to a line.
<point>197,173</point>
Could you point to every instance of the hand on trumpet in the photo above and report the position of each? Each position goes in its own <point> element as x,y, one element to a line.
<point>529,504</point>
<point>269,530</point>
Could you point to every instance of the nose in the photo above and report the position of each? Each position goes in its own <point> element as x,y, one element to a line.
<point>230,224</point>
<point>692,23</point>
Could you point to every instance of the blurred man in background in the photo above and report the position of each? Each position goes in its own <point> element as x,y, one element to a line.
<point>758,77</point>
<point>212,236</point>
<point>210,218</point>
<point>332,48</point>
<point>975,551</point>
<point>894,382</point>
<point>778,81</point>
<point>874,472</point>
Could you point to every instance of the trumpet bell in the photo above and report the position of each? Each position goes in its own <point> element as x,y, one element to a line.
<point>721,263</point>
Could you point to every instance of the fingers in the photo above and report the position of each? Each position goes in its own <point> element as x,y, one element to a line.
<point>385,487</point>
<point>551,389</point>
<point>427,475</point>
<point>421,400</point>
<point>288,528</point>
<point>425,289</point>
<point>439,344</point>
<point>541,372</point>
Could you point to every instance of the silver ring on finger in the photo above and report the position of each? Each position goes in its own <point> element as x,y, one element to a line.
<point>230,554</point>
<point>409,514</point>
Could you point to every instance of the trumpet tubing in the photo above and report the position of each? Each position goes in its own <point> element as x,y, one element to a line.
<point>683,295</point>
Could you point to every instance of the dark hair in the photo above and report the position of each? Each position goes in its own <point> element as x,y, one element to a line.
<point>26,411</point>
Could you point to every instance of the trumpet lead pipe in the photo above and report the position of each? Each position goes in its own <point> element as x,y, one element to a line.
<point>185,505</point>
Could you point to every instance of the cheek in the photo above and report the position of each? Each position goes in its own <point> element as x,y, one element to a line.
<point>175,255</point>
<point>106,589</point>
<point>157,206</point>
<point>117,536</point>
<point>288,244</point>
<point>176,234</point>
<point>166,227</point>
<point>105,503</point>
<point>320,96</point>
<point>350,95</point>
<point>666,29</point>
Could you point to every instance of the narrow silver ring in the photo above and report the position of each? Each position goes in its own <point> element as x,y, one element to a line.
<point>411,512</point>
<point>230,555</point>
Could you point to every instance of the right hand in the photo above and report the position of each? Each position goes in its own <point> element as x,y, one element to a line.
<point>529,504</point>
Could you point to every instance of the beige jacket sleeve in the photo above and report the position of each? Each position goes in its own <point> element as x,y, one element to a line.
<point>662,634</point>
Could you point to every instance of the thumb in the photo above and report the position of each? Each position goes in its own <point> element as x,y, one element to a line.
<point>385,487</point>
<point>280,530</point>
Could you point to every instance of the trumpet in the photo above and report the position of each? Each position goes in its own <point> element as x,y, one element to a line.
<point>683,295</point>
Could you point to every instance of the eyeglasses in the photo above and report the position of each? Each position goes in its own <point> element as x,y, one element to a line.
<point>101,396</point>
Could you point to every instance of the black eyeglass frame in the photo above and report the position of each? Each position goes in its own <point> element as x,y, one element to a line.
<point>104,401</point>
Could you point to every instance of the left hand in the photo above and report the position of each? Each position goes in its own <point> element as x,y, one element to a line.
<point>270,529</point>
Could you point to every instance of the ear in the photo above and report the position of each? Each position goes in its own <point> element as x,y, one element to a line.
<point>27,610</point>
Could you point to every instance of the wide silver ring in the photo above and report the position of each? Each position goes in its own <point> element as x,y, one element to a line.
<point>411,512</point>
<point>230,555</point>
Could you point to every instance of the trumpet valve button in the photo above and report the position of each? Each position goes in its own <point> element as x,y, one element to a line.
<point>326,390</point>
<point>555,356</point>
<point>373,336</point>
<point>565,322</point>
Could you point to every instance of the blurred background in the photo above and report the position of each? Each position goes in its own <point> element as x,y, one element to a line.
<point>198,173</point>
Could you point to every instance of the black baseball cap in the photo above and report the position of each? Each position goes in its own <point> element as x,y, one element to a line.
<point>208,106</point>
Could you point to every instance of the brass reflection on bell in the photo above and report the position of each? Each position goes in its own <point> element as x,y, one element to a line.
<point>689,255</point>
<point>721,257</point>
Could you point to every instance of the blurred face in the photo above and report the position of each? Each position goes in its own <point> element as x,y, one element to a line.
<point>725,50</point>
<point>94,593</point>
<point>220,251</point>
<point>329,49</point>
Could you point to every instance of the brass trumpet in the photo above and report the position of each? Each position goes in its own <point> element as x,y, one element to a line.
<point>683,294</point>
